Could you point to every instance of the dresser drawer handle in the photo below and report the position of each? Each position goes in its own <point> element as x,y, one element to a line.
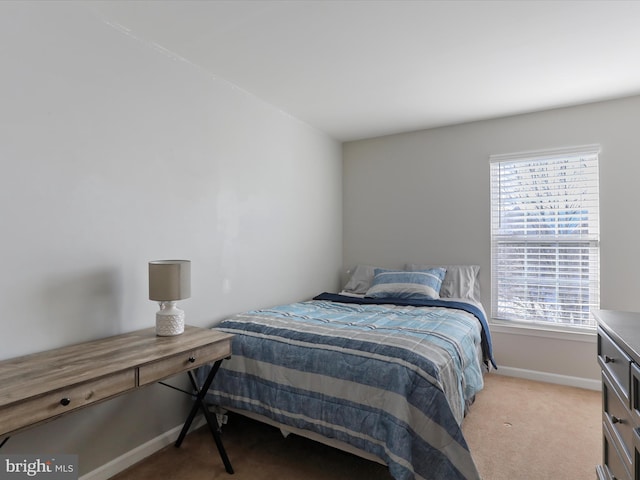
<point>192,359</point>
<point>65,401</point>
<point>615,419</point>
<point>608,359</point>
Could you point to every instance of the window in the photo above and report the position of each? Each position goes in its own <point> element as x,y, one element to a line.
<point>545,237</point>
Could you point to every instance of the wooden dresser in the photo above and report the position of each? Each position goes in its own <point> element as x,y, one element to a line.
<point>619,358</point>
<point>40,387</point>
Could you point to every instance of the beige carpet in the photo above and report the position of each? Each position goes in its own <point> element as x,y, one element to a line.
<point>517,430</point>
<point>523,430</point>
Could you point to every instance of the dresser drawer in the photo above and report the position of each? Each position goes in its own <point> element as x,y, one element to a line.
<point>615,362</point>
<point>38,409</point>
<point>618,419</point>
<point>152,372</point>
<point>614,465</point>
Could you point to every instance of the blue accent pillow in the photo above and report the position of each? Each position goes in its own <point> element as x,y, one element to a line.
<point>421,284</point>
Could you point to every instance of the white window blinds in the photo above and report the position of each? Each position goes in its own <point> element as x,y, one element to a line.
<point>545,236</point>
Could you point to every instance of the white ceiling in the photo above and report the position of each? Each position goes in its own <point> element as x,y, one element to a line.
<point>358,69</point>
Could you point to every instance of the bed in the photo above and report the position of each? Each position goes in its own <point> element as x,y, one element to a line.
<point>388,376</point>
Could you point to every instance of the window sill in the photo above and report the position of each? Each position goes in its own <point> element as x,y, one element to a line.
<point>588,336</point>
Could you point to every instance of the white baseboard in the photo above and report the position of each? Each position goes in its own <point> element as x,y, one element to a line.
<point>139,453</point>
<point>579,382</point>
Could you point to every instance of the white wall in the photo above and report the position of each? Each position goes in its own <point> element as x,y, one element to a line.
<point>424,197</point>
<point>115,152</point>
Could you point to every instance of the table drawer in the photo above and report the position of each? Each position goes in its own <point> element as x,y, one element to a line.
<point>38,409</point>
<point>618,418</point>
<point>615,362</point>
<point>154,371</point>
<point>615,467</point>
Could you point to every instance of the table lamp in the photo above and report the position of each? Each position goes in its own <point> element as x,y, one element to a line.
<point>169,281</point>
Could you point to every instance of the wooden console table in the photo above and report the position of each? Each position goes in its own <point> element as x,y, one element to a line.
<point>42,386</point>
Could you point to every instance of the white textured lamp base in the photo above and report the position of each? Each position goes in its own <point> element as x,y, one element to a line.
<point>169,320</point>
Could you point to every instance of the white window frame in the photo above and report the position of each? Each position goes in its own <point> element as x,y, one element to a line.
<point>511,302</point>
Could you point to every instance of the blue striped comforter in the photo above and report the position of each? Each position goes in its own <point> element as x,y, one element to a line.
<point>392,380</point>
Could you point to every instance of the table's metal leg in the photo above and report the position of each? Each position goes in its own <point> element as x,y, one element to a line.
<point>4,441</point>
<point>214,427</point>
<point>199,404</point>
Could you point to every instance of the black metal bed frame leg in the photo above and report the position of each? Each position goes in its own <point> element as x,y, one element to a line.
<point>212,421</point>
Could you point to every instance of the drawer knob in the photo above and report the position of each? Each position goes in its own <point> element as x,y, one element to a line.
<point>608,359</point>
<point>615,419</point>
<point>65,401</point>
<point>192,359</point>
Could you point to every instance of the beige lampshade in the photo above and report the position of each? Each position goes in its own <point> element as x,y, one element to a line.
<point>169,280</point>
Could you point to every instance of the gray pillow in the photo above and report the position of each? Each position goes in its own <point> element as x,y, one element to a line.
<point>460,281</point>
<point>360,279</point>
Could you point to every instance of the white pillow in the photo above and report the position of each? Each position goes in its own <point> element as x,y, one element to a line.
<point>460,281</point>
